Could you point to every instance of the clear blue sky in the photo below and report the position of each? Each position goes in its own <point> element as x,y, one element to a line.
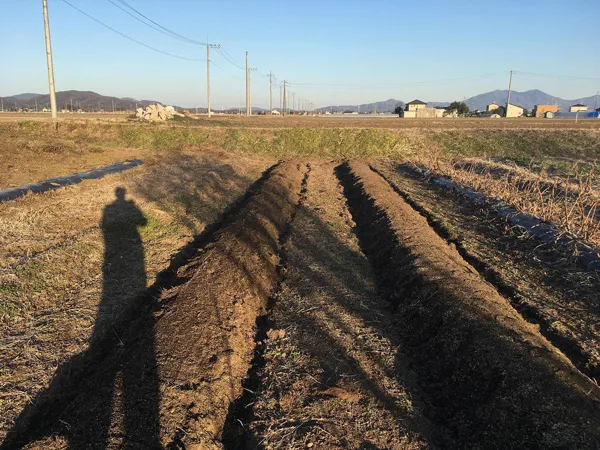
<point>357,51</point>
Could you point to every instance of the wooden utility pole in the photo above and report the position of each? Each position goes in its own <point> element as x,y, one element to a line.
<point>49,60</point>
<point>508,99</point>
<point>208,47</point>
<point>284,99</point>
<point>270,93</point>
<point>280,99</point>
<point>247,87</point>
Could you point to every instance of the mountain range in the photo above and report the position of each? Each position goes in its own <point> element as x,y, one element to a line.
<point>527,100</point>
<point>93,101</point>
<point>86,100</point>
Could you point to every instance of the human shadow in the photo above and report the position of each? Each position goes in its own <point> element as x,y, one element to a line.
<point>106,396</point>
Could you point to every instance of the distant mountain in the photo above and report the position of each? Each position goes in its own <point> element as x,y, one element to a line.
<point>26,96</point>
<point>384,106</point>
<point>527,99</point>
<point>87,100</point>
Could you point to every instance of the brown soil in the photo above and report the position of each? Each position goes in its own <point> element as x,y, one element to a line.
<point>191,350</point>
<point>316,313</point>
<point>489,379</point>
<point>64,275</point>
<point>331,376</point>
<point>543,282</point>
<point>329,122</point>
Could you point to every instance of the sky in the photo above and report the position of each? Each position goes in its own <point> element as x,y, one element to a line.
<point>331,52</point>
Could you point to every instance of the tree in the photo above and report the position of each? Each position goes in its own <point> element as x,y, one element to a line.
<point>399,108</point>
<point>499,111</point>
<point>460,108</point>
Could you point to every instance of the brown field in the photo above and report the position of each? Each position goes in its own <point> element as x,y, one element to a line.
<point>395,122</point>
<point>284,283</point>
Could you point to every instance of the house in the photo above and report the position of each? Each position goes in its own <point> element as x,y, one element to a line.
<point>423,113</point>
<point>578,108</point>
<point>415,105</point>
<point>541,110</point>
<point>492,106</point>
<point>514,110</point>
<point>275,113</point>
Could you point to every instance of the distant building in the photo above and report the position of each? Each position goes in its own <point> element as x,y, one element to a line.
<point>423,113</point>
<point>541,110</point>
<point>549,114</point>
<point>577,115</point>
<point>415,105</point>
<point>578,108</point>
<point>514,110</point>
<point>277,113</point>
<point>492,106</point>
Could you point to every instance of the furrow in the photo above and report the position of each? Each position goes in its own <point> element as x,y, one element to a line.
<point>489,379</point>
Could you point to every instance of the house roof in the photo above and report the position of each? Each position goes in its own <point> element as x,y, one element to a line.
<point>578,104</point>
<point>512,104</point>
<point>416,102</point>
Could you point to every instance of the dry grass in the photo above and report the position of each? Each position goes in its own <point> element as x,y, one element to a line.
<point>571,203</point>
<point>32,151</point>
<point>52,253</point>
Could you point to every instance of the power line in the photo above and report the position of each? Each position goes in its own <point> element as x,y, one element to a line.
<point>148,24</point>
<point>567,77</point>
<point>447,80</point>
<point>176,35</point>
<point>129,37</point>
<point>230,59</point>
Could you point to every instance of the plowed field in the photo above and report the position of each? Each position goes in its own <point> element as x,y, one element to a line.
<point>321,309</point>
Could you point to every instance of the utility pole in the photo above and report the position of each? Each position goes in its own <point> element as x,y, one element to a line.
<point>270,92</point>
<point>71,105</point>
<point>2,100</point>
<point>36,105</point>
<point>247,87</point>
<point>508,99</point>
<point>113,105</point>
<point>49,60</point>
<point>208,47</point>
<point>281,99</point>
<point>284,99</point>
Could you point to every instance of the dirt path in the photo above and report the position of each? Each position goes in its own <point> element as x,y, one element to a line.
<point>171,376</point>
<point>332,376</point>
<point>487,376</point>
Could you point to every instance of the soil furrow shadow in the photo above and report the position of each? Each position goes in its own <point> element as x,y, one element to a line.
<point>241,411</point>
<point>488,379</point>
<point>39,418</point>
<point>571,345</point>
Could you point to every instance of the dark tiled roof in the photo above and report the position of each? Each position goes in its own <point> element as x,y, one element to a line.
<point>416,102</point>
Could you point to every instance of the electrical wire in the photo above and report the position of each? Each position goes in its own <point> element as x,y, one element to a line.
<point>129,37</point>
<point>149,24</point>
<point>560,77</point>
<point>229,58</point>
<point>174,34</point>
<point>447,80</point>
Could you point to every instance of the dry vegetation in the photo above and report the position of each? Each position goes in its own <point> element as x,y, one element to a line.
<point>338,358</point>
<point>571,203</point>
<point>52,249</point>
